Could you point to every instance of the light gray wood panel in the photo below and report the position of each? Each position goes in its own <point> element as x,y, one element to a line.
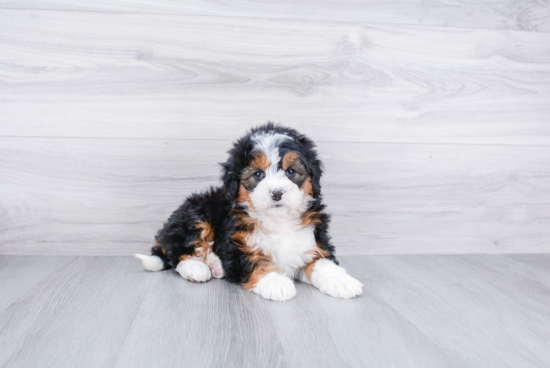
<point>528,15</point>
<point>416,311</point>
<point>72,316</point>
<point>460,301</point>
<point>77,74</point>
<point>110,196</point>
<point>15,272</point>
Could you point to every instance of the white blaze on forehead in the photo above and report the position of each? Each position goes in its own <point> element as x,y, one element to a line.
<point>268,143</point>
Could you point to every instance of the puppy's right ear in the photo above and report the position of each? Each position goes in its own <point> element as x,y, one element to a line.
<point>239,157</point>
<point>230,178</point>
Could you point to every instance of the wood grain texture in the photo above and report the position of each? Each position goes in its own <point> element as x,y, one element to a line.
<point>73,74</point>
<point>110,196</point>
<point>530,15</point>
<point>416,311</point>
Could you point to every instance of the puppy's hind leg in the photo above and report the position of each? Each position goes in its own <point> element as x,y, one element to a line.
<point>193,267</point>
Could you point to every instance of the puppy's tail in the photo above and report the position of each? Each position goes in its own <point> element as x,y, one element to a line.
<point>151,263</point>
<point>156,262</point>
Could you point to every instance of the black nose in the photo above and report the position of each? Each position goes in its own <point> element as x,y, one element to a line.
<point>276,195</point>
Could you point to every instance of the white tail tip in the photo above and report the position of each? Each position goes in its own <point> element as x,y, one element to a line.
<point>151,263</point>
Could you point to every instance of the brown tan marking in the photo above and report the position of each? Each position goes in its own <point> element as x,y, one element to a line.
<point>158,246</point>
<point>262,263</point>
<point>244,220</point>
<point>245,225</point>
<point>185,257</point>
<point>244,196</point>
<point>310,218</point>
<point>249,180</point>
<point>307,187</point>
<point>207,233</point>
<point>203,245</point>
<point>263,266</point>
<point>259,161</point>
<point>240,238</point>
<point>290,159</point>
<point>300,177</point>
<point>308,269</point>
<point>318,253</point>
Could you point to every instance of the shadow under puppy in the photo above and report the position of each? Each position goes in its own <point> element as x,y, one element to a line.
<point>263,228</point>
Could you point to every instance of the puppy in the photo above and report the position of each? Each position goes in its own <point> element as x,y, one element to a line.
<point>264,228</point>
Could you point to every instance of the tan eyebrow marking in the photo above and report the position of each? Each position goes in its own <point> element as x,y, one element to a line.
<point>259,161</point>
<point>289,159</point>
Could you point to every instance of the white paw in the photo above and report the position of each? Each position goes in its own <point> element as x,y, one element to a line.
<point>276,287</point>
<point>333,280</point>
<point>342,286</point>
<point>215,265</point>
<point>194,270</point>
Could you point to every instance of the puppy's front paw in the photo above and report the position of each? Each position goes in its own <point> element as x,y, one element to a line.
<point>342,286</point>
<point>215,265</point>
<point>194,270</point>
<point>276,287</point>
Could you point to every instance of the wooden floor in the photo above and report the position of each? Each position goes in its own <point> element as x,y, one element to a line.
<point>416,311</point>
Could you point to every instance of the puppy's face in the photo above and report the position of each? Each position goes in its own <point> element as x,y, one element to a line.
<point>276,179</point>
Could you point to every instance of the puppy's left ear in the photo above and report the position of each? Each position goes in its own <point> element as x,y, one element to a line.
<point>316,172</point>
<point>314,165</point>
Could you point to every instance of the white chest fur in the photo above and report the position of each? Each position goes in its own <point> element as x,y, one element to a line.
<point>287,244</point>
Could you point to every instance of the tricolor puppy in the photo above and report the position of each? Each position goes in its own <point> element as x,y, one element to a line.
<point>264,228</point>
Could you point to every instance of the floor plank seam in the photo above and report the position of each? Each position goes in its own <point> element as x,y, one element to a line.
<point>309,20</point>
<point>229,141</point>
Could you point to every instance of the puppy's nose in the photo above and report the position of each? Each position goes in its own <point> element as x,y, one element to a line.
<point>276,195</point>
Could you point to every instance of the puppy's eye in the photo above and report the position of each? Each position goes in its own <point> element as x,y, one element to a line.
<point>290,173</point>
<point>259,175</point>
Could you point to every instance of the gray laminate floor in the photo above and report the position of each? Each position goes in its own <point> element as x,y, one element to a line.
<point>416,311</point>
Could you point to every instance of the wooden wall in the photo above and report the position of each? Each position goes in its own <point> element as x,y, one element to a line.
<point>433,118</point>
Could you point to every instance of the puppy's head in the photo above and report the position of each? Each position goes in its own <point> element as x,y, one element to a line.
<point>273,169</point>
